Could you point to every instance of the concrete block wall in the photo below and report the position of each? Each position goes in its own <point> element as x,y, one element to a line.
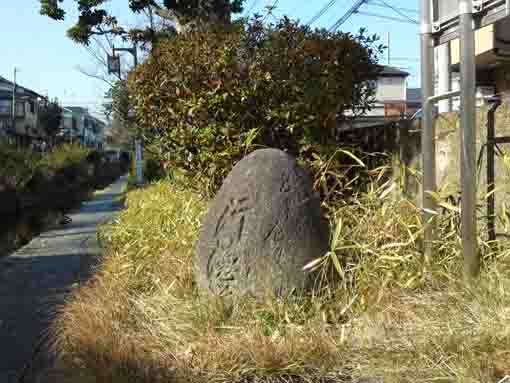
<point>407,162</point>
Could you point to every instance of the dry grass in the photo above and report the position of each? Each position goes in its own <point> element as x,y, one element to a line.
<point>390,315</point>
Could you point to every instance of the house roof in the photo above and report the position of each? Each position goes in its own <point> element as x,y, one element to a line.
<point>70,110</point>
<point>19,87</point>
<point>414,95</point>
<point>76,109</point>
<point>390,71</point>
<point>98,120</point>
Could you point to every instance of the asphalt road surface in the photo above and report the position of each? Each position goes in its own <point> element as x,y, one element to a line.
<point>36,278</point>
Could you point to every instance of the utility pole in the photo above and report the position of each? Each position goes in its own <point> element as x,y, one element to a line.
<point>13,117</point>
<point>468,139</point>
<point>388,51</point>
<point>138,141</point>
<point>428,129</point>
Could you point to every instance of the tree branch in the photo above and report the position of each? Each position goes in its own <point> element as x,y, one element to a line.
<point>170,15</point>
<point>96,76</point>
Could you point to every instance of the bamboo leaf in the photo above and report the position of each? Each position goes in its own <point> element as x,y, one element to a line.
<point>361,163</point>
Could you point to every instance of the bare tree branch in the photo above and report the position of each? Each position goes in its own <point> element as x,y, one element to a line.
<point>100,44</point>
<point>99,58</point>
<point>170,15</point>
<point>92,75</point>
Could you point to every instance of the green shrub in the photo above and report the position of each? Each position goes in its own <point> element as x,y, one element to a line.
<point>18,166</point>
<point>206,99</point>
<point>153,170</point>
<point>94,157</point>
<point>63,156</point>
<point>23,168</point>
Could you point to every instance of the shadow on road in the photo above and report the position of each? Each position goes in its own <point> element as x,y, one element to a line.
<point>37,279</point>
<point>31,289</point>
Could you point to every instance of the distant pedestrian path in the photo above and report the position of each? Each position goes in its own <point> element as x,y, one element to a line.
<point>37,277</point>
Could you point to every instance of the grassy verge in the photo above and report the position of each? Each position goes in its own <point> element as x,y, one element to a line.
<point>36,189</point>
<point>390,315</point>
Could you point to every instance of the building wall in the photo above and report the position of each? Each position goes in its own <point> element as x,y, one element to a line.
<point>484,42</point>
<point>29,123</point>
<point>26,122</point>
<point>391,89</point>
<point>5,86</point>
<point>395,109</point>
<point>89,130</point>
<point>488,39</point>
<point>408,158</point>
<point>391,93</point>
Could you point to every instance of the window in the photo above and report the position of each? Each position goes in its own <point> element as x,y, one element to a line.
<point>5,107</point>
<point>32,107</point>
<point>20,109</point>
<point>372,84</point>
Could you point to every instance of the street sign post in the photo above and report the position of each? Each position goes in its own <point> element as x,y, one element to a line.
<point>446,21</point>
<point>114,67</point>
<point>139,161</point>
<point>113,64</point>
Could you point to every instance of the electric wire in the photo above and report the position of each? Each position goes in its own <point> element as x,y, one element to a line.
<point>321,12</point>
<point>398,12</point>
<point>357,5</point>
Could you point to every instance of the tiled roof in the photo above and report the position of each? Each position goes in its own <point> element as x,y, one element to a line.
<point>386,70</point>
<point>25,90</point>
<point>76,109</point>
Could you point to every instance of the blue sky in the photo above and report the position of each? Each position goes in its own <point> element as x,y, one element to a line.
<point>48,60</point>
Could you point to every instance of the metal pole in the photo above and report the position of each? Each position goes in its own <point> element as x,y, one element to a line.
<point>13,120</point>
<point>491,174</point>
<point>468,139</point>
<point>443,78</point>
<point>428,130</point>
<point>139,174</point>
<point>135,55</point>
<point>138,142</point>
<point>388,52</point>
<point>120,72</point>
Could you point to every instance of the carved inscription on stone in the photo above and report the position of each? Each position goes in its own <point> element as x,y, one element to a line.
<point>223,266</point>
<point>263,226</point>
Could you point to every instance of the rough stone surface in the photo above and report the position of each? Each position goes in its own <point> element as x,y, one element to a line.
<point>264,225</point>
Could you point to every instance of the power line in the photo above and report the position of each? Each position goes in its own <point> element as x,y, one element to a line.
<point>385,17</point>
<point>347,15</point>
<point>270,9</point>
<point>321,12</point>
<point>408,10</point>
<point>252,7</point>
<point>398,12</point>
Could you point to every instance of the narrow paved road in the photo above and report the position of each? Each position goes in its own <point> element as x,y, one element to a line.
<point>37,277</point>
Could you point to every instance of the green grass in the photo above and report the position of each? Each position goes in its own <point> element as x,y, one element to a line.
<point>390,314</point>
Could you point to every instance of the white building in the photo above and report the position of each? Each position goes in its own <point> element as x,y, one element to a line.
<point>393,99</point>
<point>78,125</point>
<point>27,126</point>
